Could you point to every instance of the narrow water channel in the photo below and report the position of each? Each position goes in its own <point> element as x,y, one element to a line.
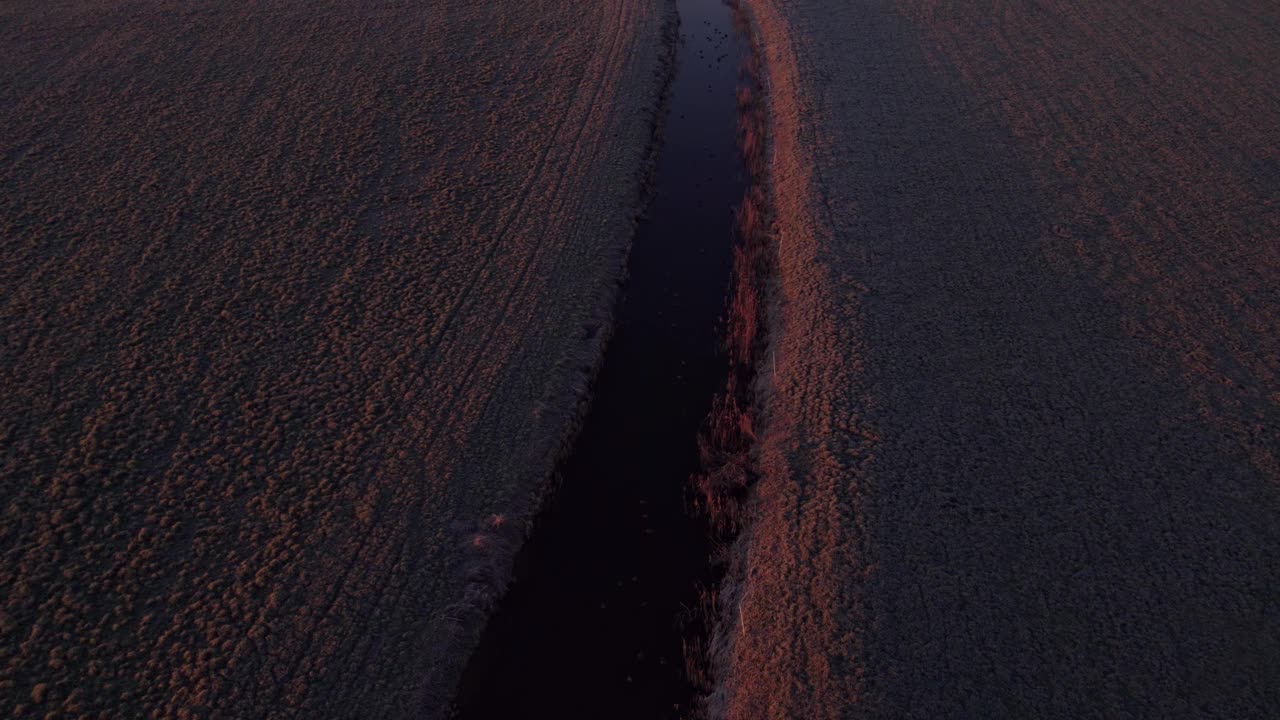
<point>591,627</point>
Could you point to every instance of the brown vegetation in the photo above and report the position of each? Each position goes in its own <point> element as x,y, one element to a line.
<point>298,300</point>
<point>726,443</point>
<point>1017,458</point>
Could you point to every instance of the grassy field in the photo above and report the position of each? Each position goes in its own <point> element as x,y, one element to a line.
<point>1018,452</point>
<point>298,302</point>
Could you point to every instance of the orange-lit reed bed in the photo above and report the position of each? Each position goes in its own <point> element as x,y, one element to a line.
<point>729,436</point>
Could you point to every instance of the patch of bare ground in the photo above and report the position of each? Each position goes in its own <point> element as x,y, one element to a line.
<point>1017,457</point>
<point>299,300</point>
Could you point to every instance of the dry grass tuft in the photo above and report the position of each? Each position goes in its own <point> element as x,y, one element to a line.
<point>730,434</point>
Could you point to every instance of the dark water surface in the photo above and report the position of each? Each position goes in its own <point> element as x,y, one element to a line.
<point>591,626</point>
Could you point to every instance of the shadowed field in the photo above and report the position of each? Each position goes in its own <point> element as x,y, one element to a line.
<point>1019,450</point>
<point>298,301</point>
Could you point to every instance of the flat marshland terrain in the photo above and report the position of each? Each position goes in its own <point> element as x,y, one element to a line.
<point>297,302</point>
<point>1019,453</point>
